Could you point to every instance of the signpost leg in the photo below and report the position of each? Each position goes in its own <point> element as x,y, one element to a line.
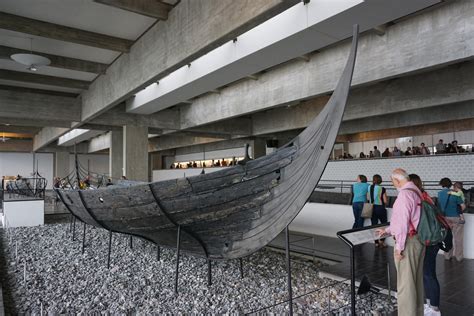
<point>353,300</point>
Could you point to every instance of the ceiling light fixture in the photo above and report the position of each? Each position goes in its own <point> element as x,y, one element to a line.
<point>31,60</point>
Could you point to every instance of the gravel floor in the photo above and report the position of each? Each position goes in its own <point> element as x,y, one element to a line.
<point>43,270</point>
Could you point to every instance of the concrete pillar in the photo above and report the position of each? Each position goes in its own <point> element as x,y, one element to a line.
<point>116,155</point>
<point>135,152</point>
<point>61,167</point>
<point>259,148</point>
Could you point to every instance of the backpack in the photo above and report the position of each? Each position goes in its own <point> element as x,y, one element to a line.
<point>433,229</point>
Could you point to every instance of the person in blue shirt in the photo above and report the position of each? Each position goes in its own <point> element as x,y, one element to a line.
<point>449,204</point>
<point>359,197</point>
<point>377,195</point>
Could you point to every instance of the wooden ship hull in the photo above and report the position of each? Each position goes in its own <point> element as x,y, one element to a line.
<point>226,214</point>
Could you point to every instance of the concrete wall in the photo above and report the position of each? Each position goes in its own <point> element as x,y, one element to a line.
<point>459,167</point>
<point>12,164</point>
<point>96,163</point>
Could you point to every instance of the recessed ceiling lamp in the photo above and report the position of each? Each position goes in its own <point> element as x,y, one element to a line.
<point>31,60</point>
<point>4,139</point>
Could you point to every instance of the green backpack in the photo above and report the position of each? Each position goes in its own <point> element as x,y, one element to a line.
<point>433,227</point>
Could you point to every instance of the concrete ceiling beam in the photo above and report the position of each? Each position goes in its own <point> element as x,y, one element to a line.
<point>43,79</point>
<point>58,61</point>
<point>151,8</point>
<point>397,54</point>
<point>37,106</point>
<point>449,85</point>
<point>193,29</point>
<point>47,135</point>
<point>441,113</point>
<point>117,116</point>
<point>62,33</point>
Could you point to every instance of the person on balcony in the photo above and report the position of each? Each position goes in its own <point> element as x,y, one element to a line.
<point>424,150</point>
<point>440,147</point>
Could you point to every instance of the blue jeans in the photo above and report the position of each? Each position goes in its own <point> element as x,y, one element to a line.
<point>430,281</point>
<point>357,209</point>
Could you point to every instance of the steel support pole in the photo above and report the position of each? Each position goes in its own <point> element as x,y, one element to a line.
<point>288,270</point>
<point>241,268</point>
<point>178,245</point>
<point>70,223</point>
<point>158,253</point>
<point>131,242</point>
<point>389,282</point>
<point>73,228</point>
<point>84,238</point>
<point>209,272</point>
<point>110,249</point>
<point>353,293</point>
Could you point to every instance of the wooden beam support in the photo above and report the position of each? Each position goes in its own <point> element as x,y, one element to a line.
<point>152,8</point>
<point>42,79</point>
<point>59,61</point>
<point>62,33</point>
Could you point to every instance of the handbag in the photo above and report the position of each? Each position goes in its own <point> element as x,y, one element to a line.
<point>368,208</point>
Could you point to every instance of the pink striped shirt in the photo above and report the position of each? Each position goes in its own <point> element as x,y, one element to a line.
<point>406,207</point>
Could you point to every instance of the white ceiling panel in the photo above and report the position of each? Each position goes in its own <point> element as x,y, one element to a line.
<point>81,14</point>
<point>55,47</point>
<point>38,86</point>
<point>47,71</point>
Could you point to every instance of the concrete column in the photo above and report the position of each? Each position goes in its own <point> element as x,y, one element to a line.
<point>116,155</point>
<point>135,152</point>
<point>259,148</point>
<point>61,166</point>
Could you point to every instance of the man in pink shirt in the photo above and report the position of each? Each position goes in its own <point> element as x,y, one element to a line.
<point>408,251</point>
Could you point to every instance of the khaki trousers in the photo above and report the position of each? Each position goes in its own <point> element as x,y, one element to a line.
<point>458,235</point>
<point>410,293</point>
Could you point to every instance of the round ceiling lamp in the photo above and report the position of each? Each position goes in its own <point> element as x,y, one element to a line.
<point>31,60</point>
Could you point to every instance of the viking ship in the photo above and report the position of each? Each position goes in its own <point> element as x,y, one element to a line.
<point>226,214</point>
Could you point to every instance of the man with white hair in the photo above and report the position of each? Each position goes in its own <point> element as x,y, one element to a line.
<point>409,250</point>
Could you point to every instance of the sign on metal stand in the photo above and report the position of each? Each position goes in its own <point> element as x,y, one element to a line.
<point>354,237</point>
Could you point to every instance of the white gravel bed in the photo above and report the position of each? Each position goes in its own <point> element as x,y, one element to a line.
<point>44,272</point>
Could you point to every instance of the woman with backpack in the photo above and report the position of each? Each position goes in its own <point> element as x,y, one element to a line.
<point>430,280</point>
<point>377,196</point>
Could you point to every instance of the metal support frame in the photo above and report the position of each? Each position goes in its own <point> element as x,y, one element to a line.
<point>288,270</point>
<point>209,272</point>
<point>110,249</point>
<point>131,242</point>
<point>241,267</point>
<point>84,238</point>
<point>73,228</point>
<point>158,253</point>
<point>178,246</point>
<point>196,238</point>
<point>389,283</point>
